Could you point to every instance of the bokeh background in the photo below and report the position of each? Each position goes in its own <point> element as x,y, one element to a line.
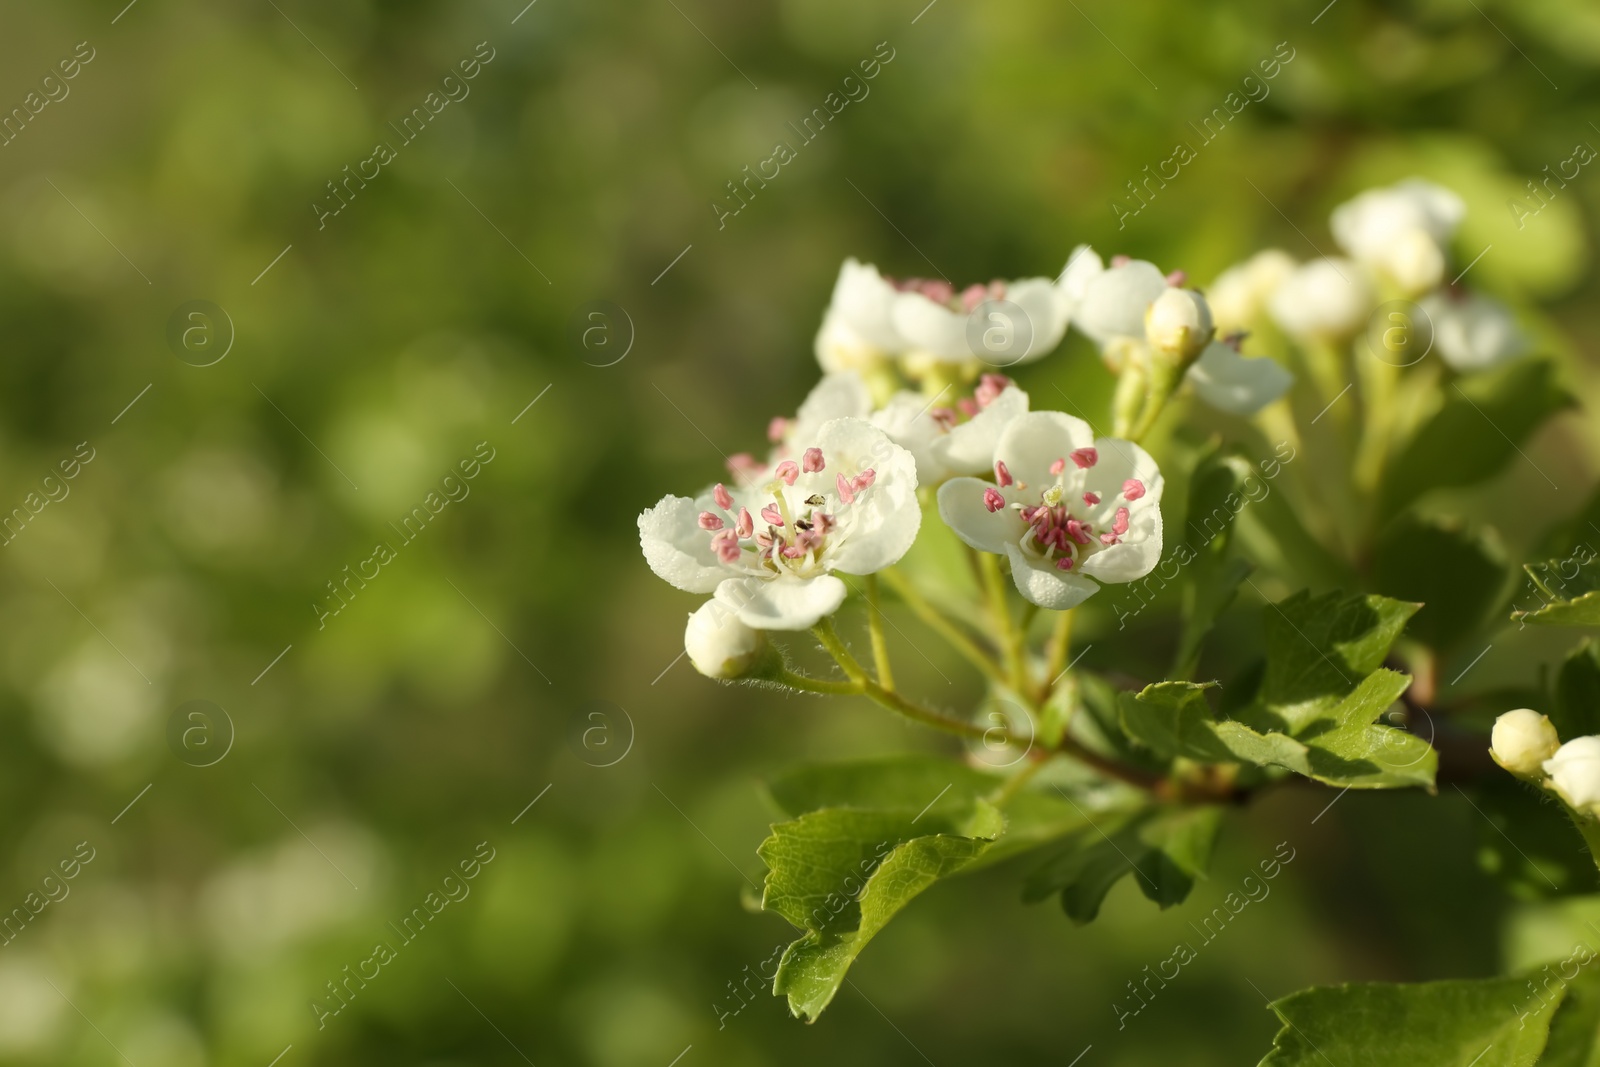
<point>518,649</point>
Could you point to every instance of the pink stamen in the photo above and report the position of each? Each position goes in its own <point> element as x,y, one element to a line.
<point>709,521</point>
<point>863,480</point>
<point>726,545</point>
<point>1091,499</point>
<point>945,417</point>
<point>972,296</point>
<point>1121,261</point>
<point>1064,563</point>
<point>968,406</point>
<point>1132,489</point>
<point>745,526</point>
<point>744,466</point>
<point>1002,474</point>
<point>772,515</point>
<point>723,498</point>
<point>777,428</point>
<point>822,522</point>
<point>847,494</point>
<point>940,292</point>
<point>990,386</point>
<point>1110,539</point>
<point>992,500</point>
<point>1058,466</point>
<point>788,471</point>
<point>1177,278</point>
<point>1079,531</point>
<point>812,460</point>
<point>1120,526</point>
<point>1085,457</point>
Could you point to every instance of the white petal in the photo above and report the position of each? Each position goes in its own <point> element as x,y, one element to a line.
<point>862,299</point>
<point>1229,382</point>
<point>675,546</point>
<point>906,419</point>
<point>1474,333</point>
<point>1047,320</point>
<point>836,396</point>
<point>840,348</point>
<point>880,526</point>
<point>930,327</point>
<point>1083,266</point>
<point>1030,443</point>
<point>1135,556</point>
<point>1329,298</point>
<point>1114,302</point>
<point>962,509</point>
<point>781,603</point>
<point>969,447</point>
<point>1040,583</point>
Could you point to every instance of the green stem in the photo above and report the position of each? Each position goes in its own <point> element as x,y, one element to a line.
<point>1060,643</point>
<point>994,582</point>
<point>939,624</point>
<point>880,648</point>
<point>829,638</point>
<point>835,647</point>
<point>1013,785</point>
<point>815,685</point>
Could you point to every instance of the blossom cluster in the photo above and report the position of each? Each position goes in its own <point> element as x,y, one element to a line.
<point>915,411</point>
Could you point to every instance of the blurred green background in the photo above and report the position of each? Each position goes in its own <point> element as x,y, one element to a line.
<point>519,648</point>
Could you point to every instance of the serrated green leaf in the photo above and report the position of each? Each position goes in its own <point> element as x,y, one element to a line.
<point>1569,589</point>
<point>1575,1029</point>
<point>1478,429</point>
<point>1163,851</point>
<point>1458,575</point>
<point>841,874</point>
<point>1319,649</point>
<point>1437,1024</point>
<point>1349,749</point>
<point>1173,719</point>
<point>1212,579</point>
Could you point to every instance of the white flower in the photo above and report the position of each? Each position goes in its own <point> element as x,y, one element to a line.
<point>719,645</point>
<point>1239,295</point>
<point>856,329</point>
<point>768,552</point>
<point>1575,769</point>
<point>1522,740</point>
<point>1401,231</point>
<point>955,439</point>
<point>948,326</point>
<point>1233,383</point>
<point>1473,332</point>
<point>1178,324</point>
<point>1326,299</point>
<point>1108,305</point>
<point>1066,509</point>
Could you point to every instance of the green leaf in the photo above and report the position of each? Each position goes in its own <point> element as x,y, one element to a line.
<point>1568,588</point>
<point>1215,500</point>
<point>1478,429</point>
<point>1437,1024</point>
<point>1318,651</point>
<point>1577,705</point>
<point>1348,748</point>
<point>1173,719</point>
<point>1575,1029</point>
<point>840,874</point>
<point>1164,852</point>
<point>1458,575</point>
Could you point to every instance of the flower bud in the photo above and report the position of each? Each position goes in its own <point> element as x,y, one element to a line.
<point>1415,262</point>
<point>1326,299</point>
<point>1178,325</point>
<point>1575,770</point>
<point>1522,740</point>
<point>719,645</point>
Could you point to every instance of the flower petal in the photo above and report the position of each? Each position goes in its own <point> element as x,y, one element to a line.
<point>1114,302</point>
<point>1475,332</point>
<point>1083,266</point>
<point>930,327</point>
<point>1030,443</point>
<point>961,506</point>
<point>781,603</point>
<point>1040,583</point>
<point>1229,382</point>
<point>969,447</point>
<point>880,526</point>
<point>1041,305</point>
<point>861,300</point>
<point>836,396</point>
<point>906,419</point>
<point>675,546</point>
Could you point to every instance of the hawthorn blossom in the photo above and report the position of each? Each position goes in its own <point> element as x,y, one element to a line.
<point>1134,312</point>
<point>1575,770</point>
<point>1068,510</point>
<point>959,438</point>
<point>1326,300</point>
<point>767,552</point>
<point>1522,740</point>
<point>938,322</point>
<point>1473,332</point>
<point>719,645</point>
<point>1239,294</point>
<point>857,330</point>
<point>1401,231</point>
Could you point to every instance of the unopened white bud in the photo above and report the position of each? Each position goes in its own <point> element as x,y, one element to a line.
<point>1178,325</point>
<point>1415,261</point>
<point>1522,741</point>
<point>719,645</point>
<point>1575,770</point>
